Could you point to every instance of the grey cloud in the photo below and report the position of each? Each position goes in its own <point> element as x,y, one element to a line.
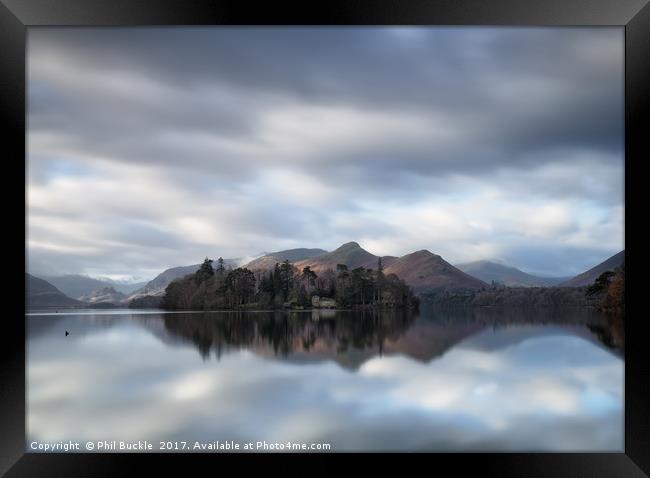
<point>201,106</point>
<point>571,102</point>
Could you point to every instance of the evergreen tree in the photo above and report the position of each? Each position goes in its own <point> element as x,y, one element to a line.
<point>204,272</point>
<point>277,282</point>
<point>379,280</point>
<point>220,267</point>
<point>240,286</point>
<point>342,278</point>
<point>601,283</point>
<point>286,279</point>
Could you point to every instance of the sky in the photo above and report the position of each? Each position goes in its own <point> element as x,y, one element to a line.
<point>150,148</point>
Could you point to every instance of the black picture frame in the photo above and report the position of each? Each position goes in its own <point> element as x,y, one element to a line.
<point>633,15</point>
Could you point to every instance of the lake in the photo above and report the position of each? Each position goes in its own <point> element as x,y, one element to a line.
<point>454,380</point>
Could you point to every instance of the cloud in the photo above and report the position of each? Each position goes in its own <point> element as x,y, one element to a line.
<point>229,141</point>
<point>516,396</point>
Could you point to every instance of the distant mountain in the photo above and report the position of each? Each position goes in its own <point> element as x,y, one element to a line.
<point>105,294</point>
<point>423,270</point>
<point>351,254</point>
<point>509,276</point>
<point>592,274</point>
<point>158,284</point>
<point>127,287</point>
<point>40,293</point>
<point>77,285</point>
<point>420,270</point>
<point>268,261</point>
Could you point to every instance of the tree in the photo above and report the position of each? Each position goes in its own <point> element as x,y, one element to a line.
<point>303,298</point>
<point>614,300</point>
<point>380,279</point>
<point>309,277</point>
<point>360,284</point>
<point>601,283</point>
<point>240,286</point>
<point>326,283</point>
<point>220,267</point>
<point>342,276</point>
<point>233,289</point>
<point>286,278</point>
<point>179,293</point>
<point>204,272</point>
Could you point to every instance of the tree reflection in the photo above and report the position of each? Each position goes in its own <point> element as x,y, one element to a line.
<point>287,333</point>
<point>351,337</point>
<point>612,332</point>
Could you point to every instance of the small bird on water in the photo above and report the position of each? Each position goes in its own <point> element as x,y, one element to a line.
<point>67,333</point>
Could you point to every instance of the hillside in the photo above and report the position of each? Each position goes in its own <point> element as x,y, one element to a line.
<point>268,261</point>
<point>423,270</point>
<point>126,287</point>
<point>420,270</point>
<point>105,294</point>
<point>157,285</point>
<point>592,274</point>
<point>78,285</point>
<point>351,254</point>
<point>509,276</point>
<point>40,293</point>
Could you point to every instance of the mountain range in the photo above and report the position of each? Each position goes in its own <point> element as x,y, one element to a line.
<point>268,260</point>
<point>106,295</point>
<point>588,277</point>
<point>421,270</point>
<point>351,254</point>
<point>509,276</point>
<point>78,285</point>
<point>40,293</point>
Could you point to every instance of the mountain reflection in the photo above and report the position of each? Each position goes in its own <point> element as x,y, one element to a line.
<point>352,337</point>
<point>446,380</point>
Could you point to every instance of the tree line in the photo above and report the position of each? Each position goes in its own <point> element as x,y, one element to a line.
<point>500,295</point>
<point>285,286</point>
<point>606,293</point>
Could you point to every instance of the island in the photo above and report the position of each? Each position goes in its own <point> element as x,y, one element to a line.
<point>286,287</point>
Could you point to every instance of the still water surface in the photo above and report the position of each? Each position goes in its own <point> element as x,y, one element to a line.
<point>489,380</point>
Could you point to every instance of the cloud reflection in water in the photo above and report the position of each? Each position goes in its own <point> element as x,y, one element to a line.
<point>521,388</point>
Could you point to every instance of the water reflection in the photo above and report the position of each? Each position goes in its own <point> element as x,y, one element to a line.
<point>446,380</point>
<point>338,335</point>
<point>283,334</point>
